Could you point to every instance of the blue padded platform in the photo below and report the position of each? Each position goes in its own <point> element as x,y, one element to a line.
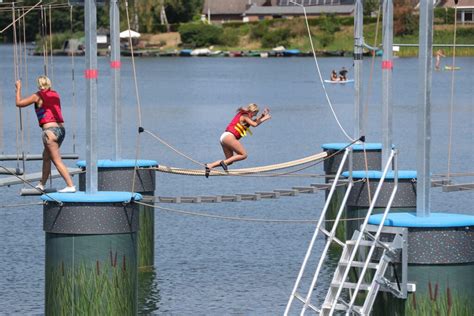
<point>99,197</point>
<point>402,174</point>
<point>432,221</point>
<point>355,147</point>
<point>125,163</point>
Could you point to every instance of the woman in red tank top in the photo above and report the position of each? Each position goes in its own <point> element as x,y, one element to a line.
<point>238,128</point>
<point>48,110</point>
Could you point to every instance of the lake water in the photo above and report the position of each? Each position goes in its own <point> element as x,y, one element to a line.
<point>208,266</point>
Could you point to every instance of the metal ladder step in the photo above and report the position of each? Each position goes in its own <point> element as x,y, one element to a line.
<point>342,307</point>
<point>351,285</point>
<point>359,264</point>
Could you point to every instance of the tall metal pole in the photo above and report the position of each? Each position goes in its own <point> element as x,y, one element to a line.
<point>358,46</point>
<point>424,110</point>
<point>387,67</point>
<point>90,12</point>
<point>115,66</point>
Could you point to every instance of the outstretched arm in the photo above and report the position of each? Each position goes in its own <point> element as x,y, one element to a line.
<point>262,118</point>
<point>26,101</point>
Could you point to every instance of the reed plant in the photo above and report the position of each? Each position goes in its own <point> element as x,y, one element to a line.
<point>146,236</point>
<point>92,288</point>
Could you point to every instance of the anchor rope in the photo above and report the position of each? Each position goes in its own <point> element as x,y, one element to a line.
<point>240,219</point>
<point>328,99</point>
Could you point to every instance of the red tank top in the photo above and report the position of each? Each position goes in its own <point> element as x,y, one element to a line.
<point>50,110</point>
<point>235,127</point>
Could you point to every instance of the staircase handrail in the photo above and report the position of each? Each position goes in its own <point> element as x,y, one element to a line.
<point>316,231</point>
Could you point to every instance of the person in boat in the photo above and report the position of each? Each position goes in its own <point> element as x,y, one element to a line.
<point>48,111</point>
<point>439,54</point>
<point>239,127</point>
<point>334,76</point>
<point>343,74</point>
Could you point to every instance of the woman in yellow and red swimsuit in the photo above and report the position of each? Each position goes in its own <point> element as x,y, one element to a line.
<point>238,128</point>
<point>48,110</point>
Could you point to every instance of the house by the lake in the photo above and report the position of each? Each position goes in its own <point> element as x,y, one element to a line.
<point>221,11</point>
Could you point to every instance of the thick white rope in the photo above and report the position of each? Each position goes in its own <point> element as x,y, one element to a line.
<point>243,171</point>
<point>320,76</point>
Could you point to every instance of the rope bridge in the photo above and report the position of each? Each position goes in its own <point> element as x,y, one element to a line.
<point>243,171</point>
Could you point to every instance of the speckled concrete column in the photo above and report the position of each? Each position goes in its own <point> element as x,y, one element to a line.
<point>120,176</point>
<point>91,253</point>
<point>366,184</point>
<point>371,151</point>
<point>440,264</point>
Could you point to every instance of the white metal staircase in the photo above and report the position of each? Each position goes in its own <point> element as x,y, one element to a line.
<point>352,283</point>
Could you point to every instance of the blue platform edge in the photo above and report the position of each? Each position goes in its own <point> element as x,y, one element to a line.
<point>125,163</point>
<point>402,174</point>
<point>355,147</point>
<point>433,221</point>
<point>99,197</point>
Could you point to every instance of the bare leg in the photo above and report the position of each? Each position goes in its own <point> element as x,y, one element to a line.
<point>231,143</point>
<point>46,166</point>
<point>53,151</point>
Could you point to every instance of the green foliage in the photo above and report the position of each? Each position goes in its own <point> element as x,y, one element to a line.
<point>326,39</point>
<point>444,16</point>
<point>230,37</point>
<point>330,24</point>
<point>258,31</point>
<point>405,22</point>
<point>200,35</point>
<point>275,38</point>
<point>370,6</point>
<point>178,11</point>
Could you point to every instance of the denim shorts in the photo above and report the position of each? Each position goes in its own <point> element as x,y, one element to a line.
<point>59,132</point>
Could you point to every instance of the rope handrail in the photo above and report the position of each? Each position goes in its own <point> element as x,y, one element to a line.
<point>279,166</point>
<point>241,219</point>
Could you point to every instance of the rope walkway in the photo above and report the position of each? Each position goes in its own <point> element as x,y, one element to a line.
<point>243,171</point>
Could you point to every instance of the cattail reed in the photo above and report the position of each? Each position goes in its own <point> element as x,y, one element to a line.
<point>62,268</point>
<point>436,292</point>
<point>124,265</point>
<point>414,301</point>
<point>97,264</point>
<point>430,290</point>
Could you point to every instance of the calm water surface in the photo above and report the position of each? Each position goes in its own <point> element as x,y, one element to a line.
<point>210,266</point>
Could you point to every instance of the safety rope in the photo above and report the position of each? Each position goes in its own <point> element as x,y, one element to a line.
<point>73,76</point>
<point>137,95</point>
<point>15,20</point>
<point>21,204</point>
<point>29,184</point>
<point>240,219</point>
<point>51,76</point>
<point>25,57</point>
<point>451,106</point>
<point>320,75</point>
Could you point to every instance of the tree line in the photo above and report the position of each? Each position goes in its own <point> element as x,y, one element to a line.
<point>145,16</point>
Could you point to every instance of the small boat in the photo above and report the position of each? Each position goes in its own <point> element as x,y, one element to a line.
<point>291,52</point>
<point>201,52</point>
<point>340,81</point>
<point>235,54</point>
<point>185,52</point>
<point>451,67</point>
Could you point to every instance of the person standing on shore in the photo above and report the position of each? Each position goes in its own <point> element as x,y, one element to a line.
<point>439,54</point>
<point>238,128</point>
<point>48,111</point>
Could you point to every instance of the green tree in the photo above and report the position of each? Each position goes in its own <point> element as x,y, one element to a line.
<point>405,22</point>
<point>178,11</point>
